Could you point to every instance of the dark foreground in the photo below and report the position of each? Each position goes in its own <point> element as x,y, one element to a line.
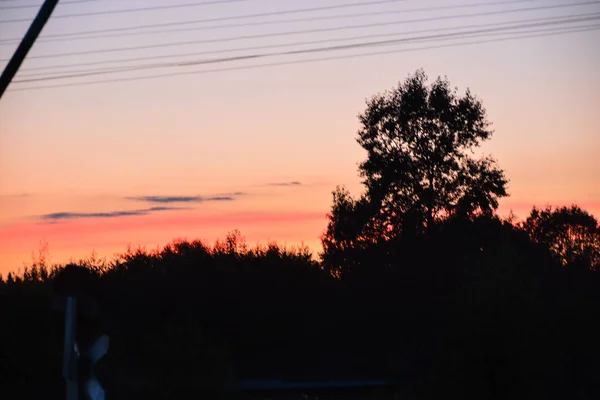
<point>484,314</point>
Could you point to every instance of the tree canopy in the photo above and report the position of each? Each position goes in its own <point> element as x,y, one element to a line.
<point>420,166</point>
<point>450,299</point>
<point>571,234</point>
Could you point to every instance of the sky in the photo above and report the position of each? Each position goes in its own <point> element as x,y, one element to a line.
<point>241,144</point>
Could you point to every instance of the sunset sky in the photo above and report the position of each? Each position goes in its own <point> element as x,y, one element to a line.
<point>96,167</point>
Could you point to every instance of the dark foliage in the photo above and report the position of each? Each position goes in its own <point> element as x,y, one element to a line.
<point>419,168</point>
<point>572,234</point>
<point>467,306</point>
<point>474,308</point>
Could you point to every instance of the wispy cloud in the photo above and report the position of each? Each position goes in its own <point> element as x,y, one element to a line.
<point>292,183</point>
<point>185,199</point>
<point>110,214</point>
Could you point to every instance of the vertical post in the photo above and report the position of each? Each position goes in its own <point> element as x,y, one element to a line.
<point>70,350</point>
<point>32,33</point>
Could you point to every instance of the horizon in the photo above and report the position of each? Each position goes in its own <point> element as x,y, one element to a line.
<point>97,167</point>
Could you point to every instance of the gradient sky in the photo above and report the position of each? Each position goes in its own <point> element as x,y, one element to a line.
<point>261,149</point>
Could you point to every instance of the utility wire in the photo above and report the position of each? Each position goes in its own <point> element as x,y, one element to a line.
<point>186,5</point>
<point>240,58</point>
<point>307,51</point>
<point>510,26</point>
<point>272,46</point>
<point>287,33</point>
<point>220,19</point>
<point>256,66</point>
<point>62,3</point>
<point>80,35</point>
<point>38,23</point>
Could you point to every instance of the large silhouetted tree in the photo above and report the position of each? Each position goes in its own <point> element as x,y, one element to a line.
<point>571,233</point>
<point>420,167</point>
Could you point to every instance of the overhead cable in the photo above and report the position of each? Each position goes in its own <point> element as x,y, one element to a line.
<point>282,63</point>
<point>289,44</point>
<point>185,5</point>
<point>307,51</point>
<point>86,35</point>
<point>297,32</point>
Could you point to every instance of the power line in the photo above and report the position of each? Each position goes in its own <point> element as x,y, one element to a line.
<point>79,35</point>
<point>216,70</point>
<point>272,46</point>
<point>308,51</point>
<point>221,19</point>
<point>38,23</point>
<point>128,10</point>
<point>37,5</point>
<point>283,45</point>
<point>173,6</point>
<point>248,57</point>
<point>287,33</point>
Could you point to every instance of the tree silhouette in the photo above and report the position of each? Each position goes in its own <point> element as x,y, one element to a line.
<point>419,168</point>
<point>571,233</point>
<point>449,300</point>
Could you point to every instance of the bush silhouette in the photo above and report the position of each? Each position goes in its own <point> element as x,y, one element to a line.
<point>422,285</point>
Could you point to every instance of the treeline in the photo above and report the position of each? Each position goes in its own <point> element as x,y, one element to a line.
<point>420,283</point>
<point>477,309</point>
<point>182,320</point>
